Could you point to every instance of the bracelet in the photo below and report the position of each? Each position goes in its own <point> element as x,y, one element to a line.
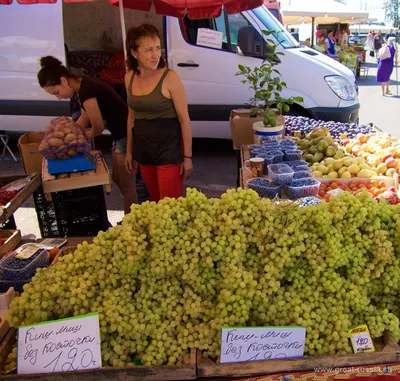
<point>188,157</point>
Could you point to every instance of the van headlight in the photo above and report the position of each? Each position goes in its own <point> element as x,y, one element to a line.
<point>341,87</point>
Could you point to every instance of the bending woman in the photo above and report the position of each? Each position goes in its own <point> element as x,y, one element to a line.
<point>158,130</point>
<point>100,102</point>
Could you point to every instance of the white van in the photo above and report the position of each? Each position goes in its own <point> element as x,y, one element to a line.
<point>208,73</point>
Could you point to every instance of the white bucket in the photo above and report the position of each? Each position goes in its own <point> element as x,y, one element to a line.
<point>267,133</point>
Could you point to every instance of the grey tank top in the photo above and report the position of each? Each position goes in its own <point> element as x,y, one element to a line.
<point>151,106</point>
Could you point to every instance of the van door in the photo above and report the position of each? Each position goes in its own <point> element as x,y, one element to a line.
<point>28,32</point>
<point>208,73</point>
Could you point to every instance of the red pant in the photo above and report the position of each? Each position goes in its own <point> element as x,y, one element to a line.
<point>163,180</point>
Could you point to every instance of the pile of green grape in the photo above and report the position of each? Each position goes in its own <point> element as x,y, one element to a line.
<point>175,272</point>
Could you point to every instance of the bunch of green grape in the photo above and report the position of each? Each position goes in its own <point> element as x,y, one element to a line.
<point>175,272</point>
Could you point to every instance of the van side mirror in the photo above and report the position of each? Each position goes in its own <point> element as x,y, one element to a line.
<point>251,42</point>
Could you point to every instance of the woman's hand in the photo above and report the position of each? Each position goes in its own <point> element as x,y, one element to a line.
<point>129,163</point>
<point>186,168</point>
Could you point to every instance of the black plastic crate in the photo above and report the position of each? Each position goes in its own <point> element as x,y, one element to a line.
<point>46,215</point>
<point>81,212</point>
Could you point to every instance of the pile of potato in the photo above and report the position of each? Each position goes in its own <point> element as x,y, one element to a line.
<point>64,139</point>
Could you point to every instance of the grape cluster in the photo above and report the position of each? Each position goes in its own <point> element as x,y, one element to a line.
<point>166,280</point>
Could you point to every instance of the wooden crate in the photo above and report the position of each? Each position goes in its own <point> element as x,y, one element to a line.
<point>208,368</point>
<point>13,237</point>
<point>6,298</point>
<point>77,180</point>
<point>8,210</point>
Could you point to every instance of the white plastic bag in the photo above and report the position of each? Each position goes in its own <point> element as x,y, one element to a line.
<point>384,52</point>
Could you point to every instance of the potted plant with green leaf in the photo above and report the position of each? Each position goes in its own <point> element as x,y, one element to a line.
<point>265,81</point>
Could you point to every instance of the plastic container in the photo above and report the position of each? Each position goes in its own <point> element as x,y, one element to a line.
<point>264,187</point>
<point>302,188</point>
<point>270,145</point>
<point>278,156</point>
<point>302,175</point>
<point>17,284</point>
<point>268,159</point>
<point>296,163</point>
<point>29,270</point>
<point>280,174</point>
<point>300,168</point>
<point>264,134</point>
<point>293,155</point>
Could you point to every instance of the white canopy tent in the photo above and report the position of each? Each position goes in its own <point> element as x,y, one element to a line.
<point>320,12</point>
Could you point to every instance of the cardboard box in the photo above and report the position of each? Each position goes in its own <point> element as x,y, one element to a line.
<point>27,143</point>
<point>242,127</point>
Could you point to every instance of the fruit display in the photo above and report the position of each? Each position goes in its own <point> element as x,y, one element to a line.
<point>174,272</point>
<point>377,189</point>
<point>381,152</point>
<point>64,139</point>
<point>6,196</point>
<point>336,129</point>
<point>318,145</point>
<point>345,168</point>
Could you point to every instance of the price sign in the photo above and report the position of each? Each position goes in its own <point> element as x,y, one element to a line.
<point>64,345</point>
<point>361,339</point>
<point>261,343</point>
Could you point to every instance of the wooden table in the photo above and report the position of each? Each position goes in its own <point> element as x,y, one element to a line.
<point>77,180</point>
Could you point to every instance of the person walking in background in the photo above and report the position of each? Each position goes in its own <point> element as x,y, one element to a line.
<point>100,102</point>
<point>158,129</point>
<point>343,39</point>
<point>378,43</point>
<point>330,45</point>
<point>386,65</point>
<point>390,34</point>
<point>370,44</point>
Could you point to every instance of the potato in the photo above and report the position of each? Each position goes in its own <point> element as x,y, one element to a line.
<point>49,136</point>
<point>44,146</point>
<point>81,150</point>
<point>55,142</point>
<point>48,130</point>
<point>80,136</point>
<point>62,149</point>
<point>71,153</point>
<point>59,134</point>
<point>67,130</point>
<point>82,141</point>
<point>69,138</point>
<point>73,142</point>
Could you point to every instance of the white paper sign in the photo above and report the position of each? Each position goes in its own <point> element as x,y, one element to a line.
<point>210,38</point>
<point>64,345</point>
<point>261,343</point>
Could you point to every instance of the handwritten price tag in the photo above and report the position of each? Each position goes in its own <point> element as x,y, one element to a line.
<point>361,339</point>
<point>261,343</point>
<point>64,345</point>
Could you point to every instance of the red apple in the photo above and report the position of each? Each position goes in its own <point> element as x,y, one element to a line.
<point>390,162</point>
<point>387,156</point>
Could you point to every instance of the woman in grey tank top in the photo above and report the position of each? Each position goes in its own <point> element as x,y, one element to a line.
<point>158,131</point>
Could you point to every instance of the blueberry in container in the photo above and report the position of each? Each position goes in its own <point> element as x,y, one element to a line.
<point>17,284</point>
<point>264,187</point>
<point>302,188</point>
<point>280,173</point>
<point>278,156</point>
<point>302,175</point>
<point>19,269</point>
<point>292,155</point>
<point>296,163</point>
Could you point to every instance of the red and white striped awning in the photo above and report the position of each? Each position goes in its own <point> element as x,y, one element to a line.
<point>195,9</point>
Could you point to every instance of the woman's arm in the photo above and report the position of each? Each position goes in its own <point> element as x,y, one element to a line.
<point>94,115</point>
<point>83,120</point>
<point>129,134</point>
<point>178,95</point>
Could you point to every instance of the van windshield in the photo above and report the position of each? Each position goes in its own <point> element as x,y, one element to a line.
<point>270,23</point>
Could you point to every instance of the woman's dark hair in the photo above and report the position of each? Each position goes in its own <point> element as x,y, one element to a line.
<point>132,42</point>
<point>330,31</point>
<point>51,72</point>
